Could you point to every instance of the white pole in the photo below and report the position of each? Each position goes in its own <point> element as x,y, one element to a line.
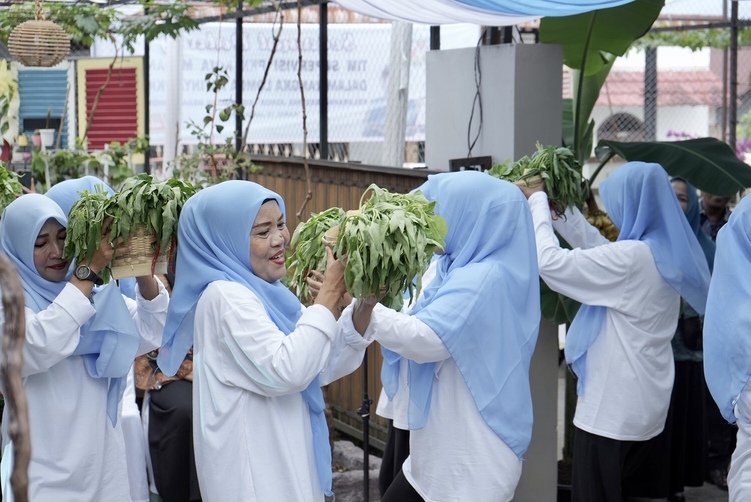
<point>397,94</point>
<point>173,99</point>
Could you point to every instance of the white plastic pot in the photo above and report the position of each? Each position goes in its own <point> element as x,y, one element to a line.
<point>48,137</point>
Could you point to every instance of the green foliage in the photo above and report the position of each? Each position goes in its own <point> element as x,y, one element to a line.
<point>9,86</point>
<point>10,187</point>
<point>308,250</point>
<point>707,163</point>
<point>389,242</point>
<point>591,42</point>
<point>585,37</point>
<point>144,201</point>
<point>694,39</point>
<point>85,222</point>
<point>555,307</point>
<point>83,22</point>
<point>559,170</point>
<point>215,162</point>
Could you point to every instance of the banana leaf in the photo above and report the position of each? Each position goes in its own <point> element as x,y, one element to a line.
<point>585,36</point>
<point>707,163</point>
<point>591,43</point>
<point>555,307</point>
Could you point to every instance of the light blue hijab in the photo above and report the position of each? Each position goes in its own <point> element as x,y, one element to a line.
<point>694,220</point>
<point>22,221</point>
<point>642,204</point>
<point>484,304</point>
<point>109,340</point>
<point>66,193</point>
<point>727,323</point>
<point>214,245</point>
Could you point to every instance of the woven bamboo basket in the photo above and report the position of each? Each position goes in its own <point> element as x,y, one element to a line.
<point>38,43</point>
<point>140,257</point>
<point>531,182</point>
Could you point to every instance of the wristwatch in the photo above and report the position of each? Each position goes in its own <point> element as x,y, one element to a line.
<point>84,273</point>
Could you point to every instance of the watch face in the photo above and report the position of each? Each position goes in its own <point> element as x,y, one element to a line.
<point>83,272</point>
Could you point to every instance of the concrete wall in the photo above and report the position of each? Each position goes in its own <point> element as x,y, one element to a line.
<point>520,88</point>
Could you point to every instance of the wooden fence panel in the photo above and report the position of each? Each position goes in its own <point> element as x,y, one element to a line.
<point>339,185</point>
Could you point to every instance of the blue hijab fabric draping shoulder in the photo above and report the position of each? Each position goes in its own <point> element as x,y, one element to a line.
<point>642,204</point>
<point>214,245</point>
<point>727,323</point>
<point>694,221</point>
<point>22,221</point>
<point>484,303</point>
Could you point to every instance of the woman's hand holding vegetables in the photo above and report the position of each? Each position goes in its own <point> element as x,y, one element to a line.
<point>363,311</point>
<point>333,287</point>
<point>528,191</point>
<point>314,281</point>
<point>148,286</point>
<point>105,252</point>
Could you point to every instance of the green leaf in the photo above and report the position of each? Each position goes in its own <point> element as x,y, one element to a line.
<point>555,307</point>
<point>707,163</point>
<point>585,36</point>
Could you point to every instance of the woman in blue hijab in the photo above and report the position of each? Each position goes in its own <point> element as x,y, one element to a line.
<point>66,194</point>
<point>727,340</point>
<point>457,366</point>
<point>76,355</point>
<point>619,343</point>
<point>679,456</point>
<point>259,357</point>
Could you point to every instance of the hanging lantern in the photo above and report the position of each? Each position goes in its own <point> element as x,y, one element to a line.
<point>38,42</point>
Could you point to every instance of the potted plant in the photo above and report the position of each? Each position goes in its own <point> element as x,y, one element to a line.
<point>401,230</point>
<point>145,213</point>
<point>47,135</point>
<point>36,139</point>
<point>9,104</point>
<point>10,187</point>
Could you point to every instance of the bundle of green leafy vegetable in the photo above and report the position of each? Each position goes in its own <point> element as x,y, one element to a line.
<point>388,243</point>
<point>156,205</point>
<point>85,222</point>
<point>10,187</point>
<point>141,202</point>
<point>554,165</point>
<point>309,250</point>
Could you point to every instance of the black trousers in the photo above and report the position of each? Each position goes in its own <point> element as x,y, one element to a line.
<point>395,453</point>
<point>602,466</point>
<point>171,442</point>
<point>720,436</point>
<point>401,491</point>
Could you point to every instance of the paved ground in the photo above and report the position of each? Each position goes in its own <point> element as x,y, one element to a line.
<point>706,493</point>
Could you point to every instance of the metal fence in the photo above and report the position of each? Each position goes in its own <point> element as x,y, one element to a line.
<point>674,84</point>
